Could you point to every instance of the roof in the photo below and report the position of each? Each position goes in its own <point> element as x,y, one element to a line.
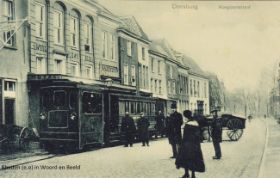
<point>166,47</point>
<point>194,68</point>
<point>156,47</point>
<point>129,23</point>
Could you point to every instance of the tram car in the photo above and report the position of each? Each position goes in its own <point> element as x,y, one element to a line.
<point>73,115</point>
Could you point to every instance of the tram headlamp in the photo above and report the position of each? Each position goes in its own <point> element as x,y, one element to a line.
<point>73,116</point>
<point>43,116</point>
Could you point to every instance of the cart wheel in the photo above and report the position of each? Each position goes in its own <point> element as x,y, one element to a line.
<point>24,138</point>
<point>235,134</point>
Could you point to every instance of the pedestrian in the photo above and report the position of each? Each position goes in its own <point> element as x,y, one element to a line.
<point>128,129</point>
<point>159,124</point>
<point>175,134</point>
<point>190,155</point>
<point>216,126</point>
<point>143,129</point>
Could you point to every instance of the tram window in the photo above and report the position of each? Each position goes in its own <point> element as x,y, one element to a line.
<point>73,100</point>
<point>145,107</point>
<point>138,108</point>
<point>92,103</point>
<point>46,99</point>
<point>121,108</point>
<point>59,98</point>
<point>149,109</point>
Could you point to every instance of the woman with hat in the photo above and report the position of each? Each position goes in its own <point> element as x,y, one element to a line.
<point>190,154</point>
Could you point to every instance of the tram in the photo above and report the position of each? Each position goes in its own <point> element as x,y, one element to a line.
<point>74,115</point>
<point>71,116</point>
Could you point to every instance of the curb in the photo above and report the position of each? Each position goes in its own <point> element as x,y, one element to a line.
<point>260,174</point>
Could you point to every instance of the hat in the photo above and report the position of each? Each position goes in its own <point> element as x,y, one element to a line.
<point>173,106</point>
<point>187,113</point>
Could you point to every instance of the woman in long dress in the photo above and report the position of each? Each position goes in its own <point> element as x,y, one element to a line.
<point>190,154</point>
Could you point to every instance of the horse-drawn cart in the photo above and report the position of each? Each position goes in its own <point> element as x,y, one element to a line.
<point>12,136</point>
<point>232,124</point>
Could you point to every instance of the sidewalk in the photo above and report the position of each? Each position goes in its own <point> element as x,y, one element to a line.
<point>271,157</point>
<point>21,157</point>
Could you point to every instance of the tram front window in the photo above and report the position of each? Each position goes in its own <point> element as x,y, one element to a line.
<point>92,103</point>
<point>59,98</point>
<point>46,99</point>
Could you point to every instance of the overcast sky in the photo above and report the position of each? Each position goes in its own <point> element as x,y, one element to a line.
<point>237,44</point>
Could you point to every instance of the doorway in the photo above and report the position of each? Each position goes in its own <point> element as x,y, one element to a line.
<point>9,111</point>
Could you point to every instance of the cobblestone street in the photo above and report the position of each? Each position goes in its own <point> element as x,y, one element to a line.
<point>240,159</point>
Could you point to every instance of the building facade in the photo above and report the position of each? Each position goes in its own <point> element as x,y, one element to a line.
<point>83,46</point>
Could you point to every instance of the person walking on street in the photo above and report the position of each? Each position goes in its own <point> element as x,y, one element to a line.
<point>190,155</point>
<point>175,134</point>
<point>216,134</point>
<point>159,124</point>
<point>128,129</point>
<point>143,129</point>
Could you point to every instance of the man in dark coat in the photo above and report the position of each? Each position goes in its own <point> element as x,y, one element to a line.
<point>128,129</point>
<point>159,123</point>
<point>190,154</point>
<point>216,134</point>
<point>175,134</point>
<point>143,129</point>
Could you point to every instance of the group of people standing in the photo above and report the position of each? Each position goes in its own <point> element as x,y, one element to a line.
<point>186,149</point>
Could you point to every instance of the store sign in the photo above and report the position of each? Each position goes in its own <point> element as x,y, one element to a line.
<point>39,47</point>
<point>108,70</point>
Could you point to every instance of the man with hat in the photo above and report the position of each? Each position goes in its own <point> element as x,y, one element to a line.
<point>128,129</point>
<point>175,135</point>
<point>143,129</point>
<point>216,126</point>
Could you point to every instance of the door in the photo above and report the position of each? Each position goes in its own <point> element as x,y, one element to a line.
<point>9,111</point>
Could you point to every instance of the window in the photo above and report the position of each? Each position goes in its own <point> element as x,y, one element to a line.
<point>59,66</point>
<point>74,31</point>
<point>46,99</point>
<point>9,38</point>
<point>40,23</point>
<point>112,46</point>
<point>144,76</point>
<point>205,90</point>
<point>74,69</point>
<point>91,103</point>
<point>129,48</point>
<point>132,108</point>
<point>88,36</point>
<point>194,88</point>
<point>139,52</point>
<point>143,54</point>
<point>159,67</point>
<point>133,77</point>
<point>73,99</point>
<point>88,72</point>
<point>191,88</point>
<point>125,75</point>
<point>8,9</point>
<point>152,85</point>
<point>159,86</point>
<point>152,64</point>
<point>173,87</point>
<point>10,86</point>
<point>140,76</point>
<point>155,86</point>
<point>104,44</point>
<point>170,72</point>
<point>169,87</point>
<point>41,65</point>
<point>58,27</point>
<point>198,92</point>
<point>59,98</point>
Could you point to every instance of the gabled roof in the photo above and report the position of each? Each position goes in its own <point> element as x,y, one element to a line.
<point>166,47</point>
<point>129,23</point>
<point>156,47</point>
<point>194,68</point>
